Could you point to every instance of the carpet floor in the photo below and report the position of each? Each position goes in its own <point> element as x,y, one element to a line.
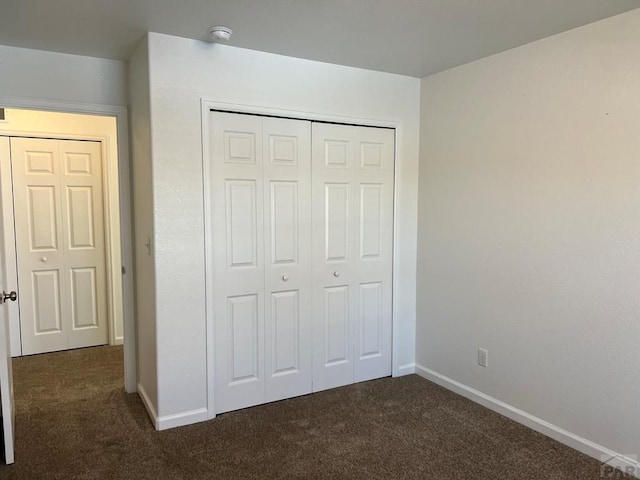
<point>74,421</point>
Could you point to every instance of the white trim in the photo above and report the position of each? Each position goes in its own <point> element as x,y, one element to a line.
<point>181,419</point>
<point>146,401</point>
<point>395,280</point>
<point>406,369</point>
<point>208,260</point>
<point>62,106</point>
<point>10,272</point>
<point>570,439</point>
<point>126,226</point>
<point>206,106</point>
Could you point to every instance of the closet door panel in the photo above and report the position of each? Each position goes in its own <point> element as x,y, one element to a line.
<point>261,198</point>
<point>371,317</point>
<point>243,319</point>
<point>39,244</point>
<point>334,271</point>
<point>287,197</point>
<point>374,177</point>
<point>353,170</point>
<point>238,260</point>
<point>285,333</point>
<point>241,218</point>
<point>84,246</point>
<point>336,222</point>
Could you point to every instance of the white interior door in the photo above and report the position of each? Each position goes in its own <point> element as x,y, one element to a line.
<point>58,202</point>
<point>261,283</point>
<point>352,178</point>
<point>7,409</point>
<point>8,237</point>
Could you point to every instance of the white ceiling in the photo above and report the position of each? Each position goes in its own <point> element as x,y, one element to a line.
<point>410,37</point>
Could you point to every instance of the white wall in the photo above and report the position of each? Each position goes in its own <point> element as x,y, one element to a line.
<point>55,76</point>
<point>529,229</point>
<point>182,73</point>
<point>143,226</point>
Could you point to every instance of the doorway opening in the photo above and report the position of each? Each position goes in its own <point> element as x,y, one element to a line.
<point>69,142</point>
<point>61,226</point>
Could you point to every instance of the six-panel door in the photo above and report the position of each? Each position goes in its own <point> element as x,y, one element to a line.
<point>60,243</point>
<point>352,171</point>
<point>262,233</point>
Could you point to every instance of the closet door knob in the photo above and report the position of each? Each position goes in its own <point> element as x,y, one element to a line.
<point>43,259</point>
<point>285,277</point>
<point>4,296</point>
<point>336,273</point>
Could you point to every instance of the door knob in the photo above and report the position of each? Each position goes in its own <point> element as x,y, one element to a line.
<point>285,277</point>
<point>13,296</point>
<point>43,259</point>
<point>336,273</point>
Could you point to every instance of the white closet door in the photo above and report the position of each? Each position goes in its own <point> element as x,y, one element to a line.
<point>374,251</point>
<point>334,266</point>
<point>287,199</point>
<point>40,253</point>
<point>83,242</point>
<point>261,196</point>
<point>352,178</point>
<point>60,243</point>
<point>238,246</point>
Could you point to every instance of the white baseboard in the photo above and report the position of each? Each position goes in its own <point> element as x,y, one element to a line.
<point>171,421</point>
<point>406,369</point>
<point>147,404</point>
<point>606,456</point>
<point>181,419</point>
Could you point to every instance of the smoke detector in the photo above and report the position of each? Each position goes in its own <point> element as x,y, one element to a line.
<point>220,34</point>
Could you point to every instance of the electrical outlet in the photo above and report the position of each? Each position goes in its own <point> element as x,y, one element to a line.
<point>483,357</point>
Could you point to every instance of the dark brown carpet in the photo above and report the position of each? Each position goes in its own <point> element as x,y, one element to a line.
<point>74,421</point>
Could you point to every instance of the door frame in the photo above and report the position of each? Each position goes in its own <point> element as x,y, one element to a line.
<point>205,107</point>
<point>124,196</point>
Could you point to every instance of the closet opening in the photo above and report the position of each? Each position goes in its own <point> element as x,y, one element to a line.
<point>300,263</point>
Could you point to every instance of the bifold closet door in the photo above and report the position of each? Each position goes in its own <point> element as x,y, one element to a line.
<point>352,188</point>
<point>58,201</point>
<point>261,219</point>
